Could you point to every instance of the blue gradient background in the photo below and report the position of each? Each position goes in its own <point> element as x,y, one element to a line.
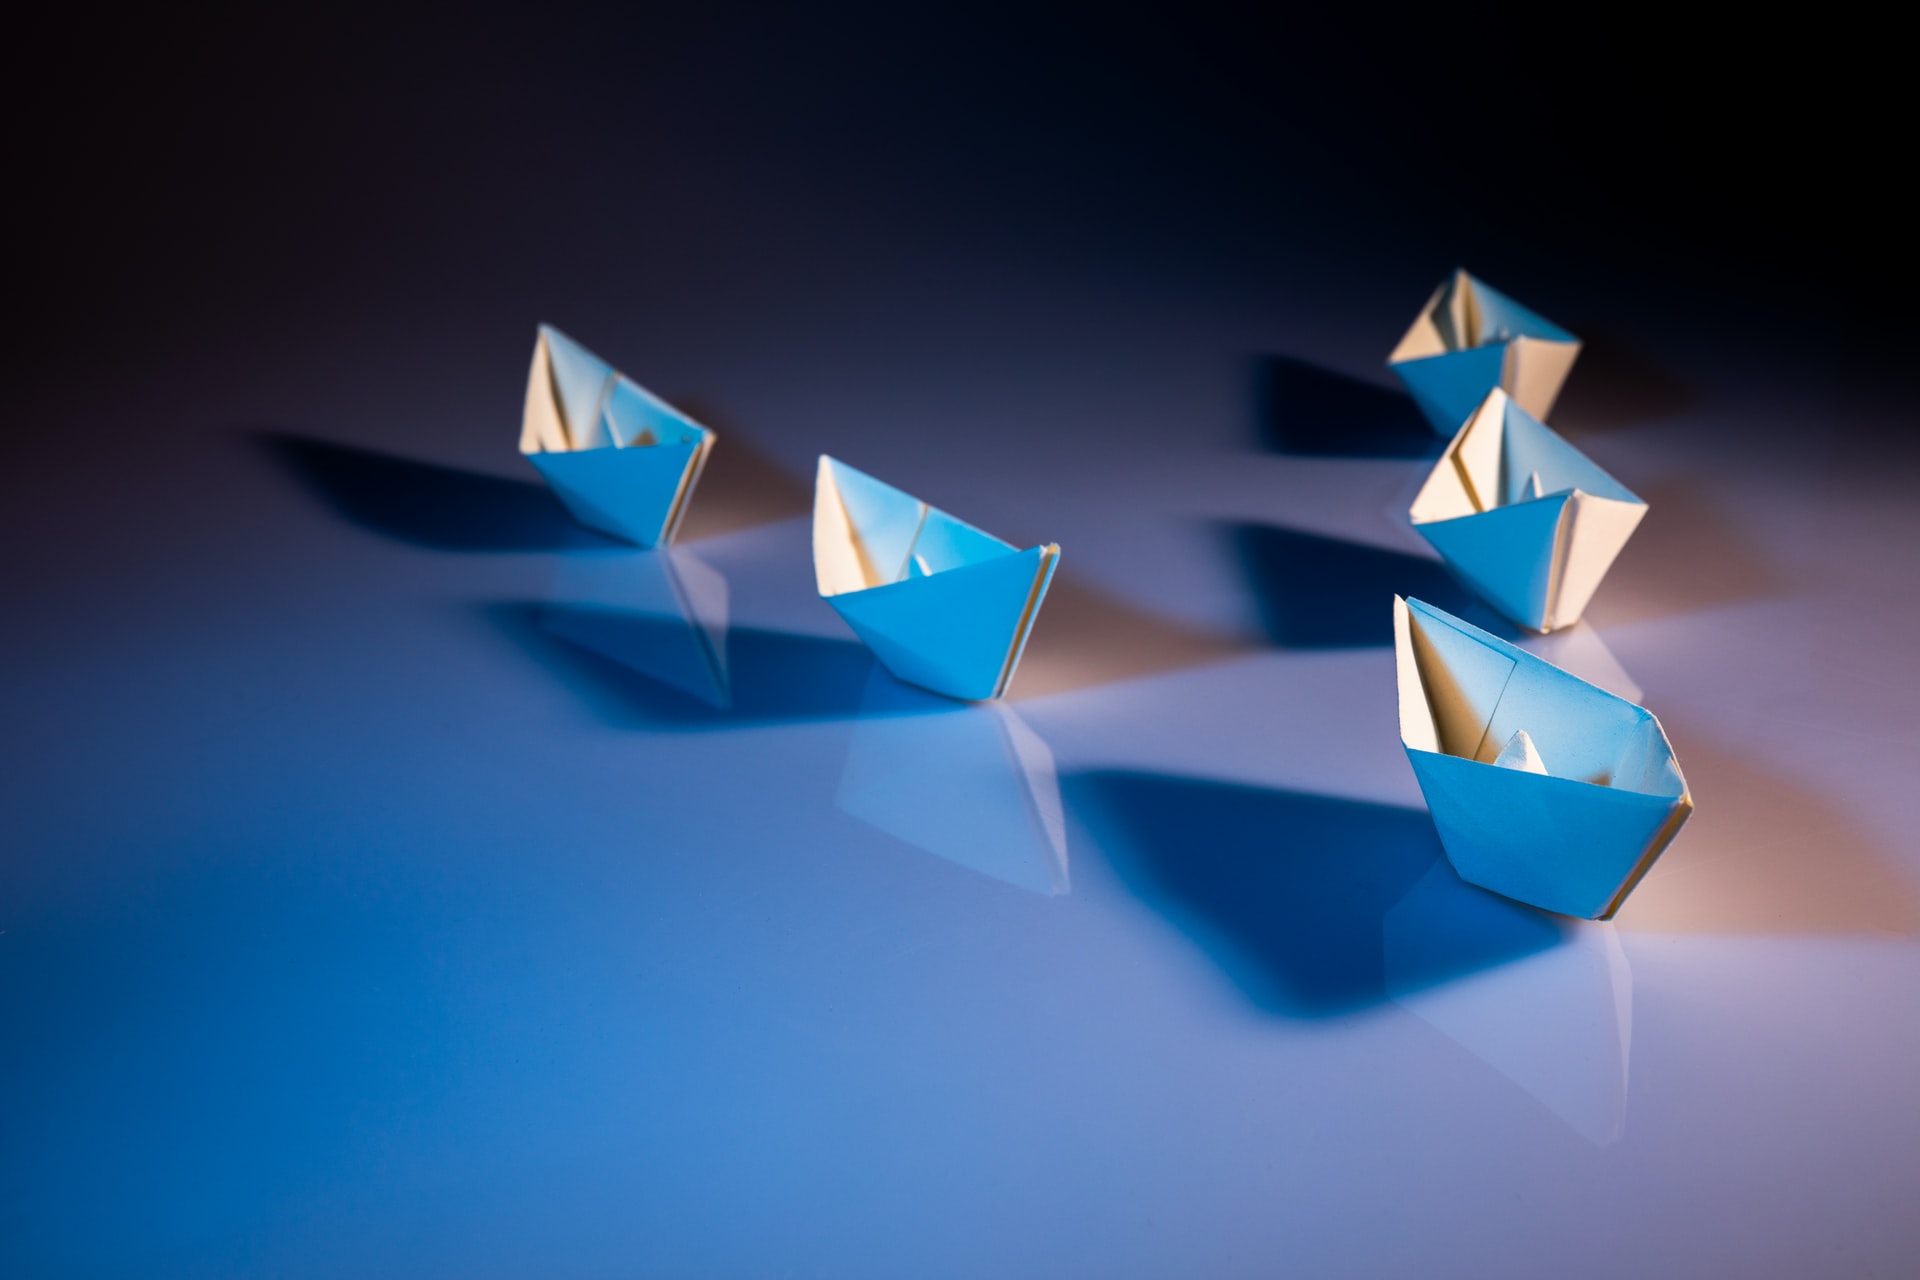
<point>357,918</point>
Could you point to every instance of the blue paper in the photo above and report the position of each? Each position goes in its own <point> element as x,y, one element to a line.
<point>943,605</point>
<point>1568,818</point>
<point>1524,518</point>
<point>623,461</point>
<point>1468,340</point>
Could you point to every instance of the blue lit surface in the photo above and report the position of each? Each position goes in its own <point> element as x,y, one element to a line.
<point>394,884</point>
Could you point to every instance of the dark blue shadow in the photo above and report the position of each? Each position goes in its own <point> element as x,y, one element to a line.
<point>1316,592</point>
<point>1288,892</point>
<point>612,660</point>
<point>427,504</point>
<point>1305,409</point>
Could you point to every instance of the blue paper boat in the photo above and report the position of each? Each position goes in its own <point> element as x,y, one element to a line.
<point>1543,787</point>
<point>623,461</point>
<point>1470,339</point>
<point>941,604</point>
<point>1524,518</point>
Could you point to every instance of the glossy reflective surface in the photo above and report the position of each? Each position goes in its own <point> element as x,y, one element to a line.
<point>398,879</point>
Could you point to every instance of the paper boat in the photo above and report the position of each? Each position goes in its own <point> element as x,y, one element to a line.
<point>941,604</point>
<point>1543,787</point>
<point>623,461</point>
<point>1526,519</point>
<point>1470,339</point>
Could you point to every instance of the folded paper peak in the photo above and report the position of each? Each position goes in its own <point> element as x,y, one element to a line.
<point>1520,753</point>
<point>1470,339</point>
<point>942,604</point>
<point>1567,813</point>
<point>1524,518</point>
<point>622,460</point>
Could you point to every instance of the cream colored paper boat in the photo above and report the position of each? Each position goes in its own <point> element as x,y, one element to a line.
<point>1524,518</point>
<point>1542,787</point>
<point>942,604</point>
<point>622,460</point>
<point>1470,339</point>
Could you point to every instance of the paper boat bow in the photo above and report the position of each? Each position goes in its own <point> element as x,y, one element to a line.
<point>941,604</point>
<point>1542,786</point>
<point>623,461</point>
<point>1524,518</point>
<point>1470,339</point>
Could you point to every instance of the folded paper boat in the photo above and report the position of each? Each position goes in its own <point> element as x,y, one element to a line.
<point>623,461</point>
<point>1542,787</point>
<point>1524,518</point>
<point>1470,339</point>
<point>941,604</point>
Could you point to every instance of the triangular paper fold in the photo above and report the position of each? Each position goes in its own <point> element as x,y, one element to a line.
<point>1567,818</point>
<point>943,605</point>
<point>1520,753</point>
<point>1524,518</point>
<point>1468,340</point>
<point>622,460</point>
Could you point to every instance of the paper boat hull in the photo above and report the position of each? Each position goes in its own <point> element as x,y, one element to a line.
<point>1537,562</point>
<point>637,495</point>
<point>1448,371</point>
<point>1448,388</point>
<point>1554,843</point>
<point>959,632</point>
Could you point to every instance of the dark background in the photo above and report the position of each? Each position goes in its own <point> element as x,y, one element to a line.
<point>175,174</point>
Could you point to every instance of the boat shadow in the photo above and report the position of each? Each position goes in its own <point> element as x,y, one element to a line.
<point>446,508</point>
<point>624,666</point>
<point>426,504</point>
<point>1289,893</point>
<point>1315,592</point>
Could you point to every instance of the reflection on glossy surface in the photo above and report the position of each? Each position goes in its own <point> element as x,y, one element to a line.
<point>1557,1023</point>
<point>662,613</point>
<point>972,784</point>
